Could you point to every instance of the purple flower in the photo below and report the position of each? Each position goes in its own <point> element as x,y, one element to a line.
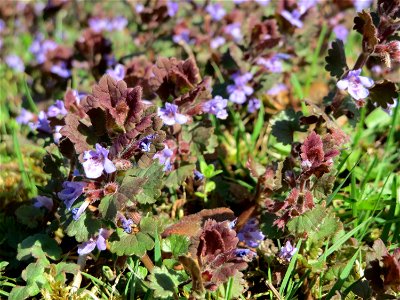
<point>139,8</point>
<point>43,201</point>
<point>40,47</point>
<point>356,85</point>
<point>118,73</point>
<point>15,62</point>
<point>164,157</point>
<point>361,4</point>
<point>341,32</point>
<point>217,42</point>
<point>273,64</point>
<point>61,70</point>
<point>56,134</point>
<point>118,23</point>
<point>182,36</point>
<point>276,89</point>
<point>247,254</point>
<point>217,107</point>
<point>234,31</point>
<point>173,8</point>
<point>240,89</point>
<point>198,175</point>
<point>254,105</point>
<point>77,212</point>
<point>57,109</point>
<point>96,161</point>
<point>170,115</point>
<point>251,234</point>
<point>126,223</point>
<point>100,241</point>
<point>70,192</point>
<point>146,142</point>
<point>24,117</point>
<point>42,124</point>
<point>2,25</point>
<point>216,11</point>
<point>293,17</point>
<point>287,251</point>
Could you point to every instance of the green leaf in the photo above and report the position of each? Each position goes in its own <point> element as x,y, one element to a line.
<point>137,243</point>
<point>164,282</point>
<point>286,124</point>
<point>146,184</point>
<point>176,177</point>
<point>336,60</point>
<point>308,222</point>
<point>29,215</point>
<point>109,207</point>
<point>176,244</point>
<point>83,228</point>
<point>39,246</point>
<point>23,292</point>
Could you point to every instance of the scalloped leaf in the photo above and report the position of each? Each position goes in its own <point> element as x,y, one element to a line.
<point>383,93</point>
<point>176,177</point>
<point>364,24</point>
<point>83,228</point>
<point>38,246</point>
<point>109,206</point>
<point>164,282</point>
<point>336,63</point>
<point>137,243</point>
<point>143,185</point>
<point>308,222</point>
<point>176,244</point>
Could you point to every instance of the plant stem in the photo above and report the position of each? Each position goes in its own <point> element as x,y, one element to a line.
<point>145,259</point>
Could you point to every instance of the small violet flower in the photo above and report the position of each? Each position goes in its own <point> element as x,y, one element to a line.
<point>100,24</point>
<point>341,32</point>
<point>126,223</point>
<point>356,85</point>
<point>287,251</point>
<point>254,105</point>
<point>43,201</point>
<point>390,107</point>
<point>24,117</point>
<point>217,107</point>
<point>217,42</point>
<point>100,241</point>
<point>118,73</point>
<point>96,161</point>
<point>164,157</point>
<point>56,134</point>
<point>61,70</point>
<point>240,89</point>
<point>70,192</point>
<point>234,31</point>
<point>198,175</point>
<point>273,64</point>
<point>57,109</point>
<point>216,11</point>
<point>173,8</point>
<point>245,253</point>
<point>182,36</point>
<point>15,63</point>
<point>362,4</point>
<point>40,47</point>
<point>251,234</point>
<point>277,89</point>
<point>42,124</point>
<point>170,115</point>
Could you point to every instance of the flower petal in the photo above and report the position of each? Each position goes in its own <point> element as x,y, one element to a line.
<point>342,84</point>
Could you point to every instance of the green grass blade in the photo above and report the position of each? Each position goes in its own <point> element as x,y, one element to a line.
<point>32,104</point>
<point>258,126</point>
